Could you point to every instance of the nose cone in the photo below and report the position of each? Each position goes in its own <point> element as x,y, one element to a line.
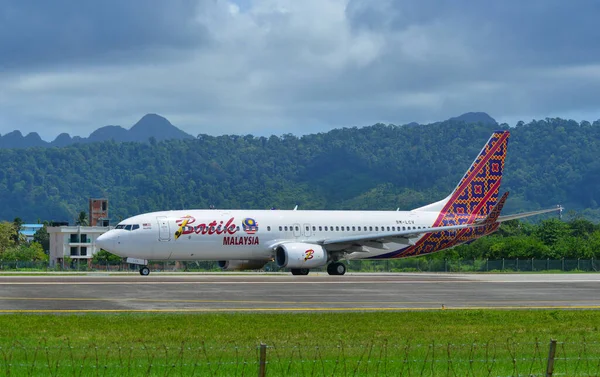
<point>106,241</point>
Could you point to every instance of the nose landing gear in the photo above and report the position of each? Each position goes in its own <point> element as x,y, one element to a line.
<point>144,271</point>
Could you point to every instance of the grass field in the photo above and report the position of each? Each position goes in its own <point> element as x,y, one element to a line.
<point>465,343</point>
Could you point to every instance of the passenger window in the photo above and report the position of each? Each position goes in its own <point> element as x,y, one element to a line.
<point>280,228</point>
<point>320,228</point>
<point>326,228</point>
<point>314,228</point>
<point>337,228</point>
<point>297,228</point>
<point>136,226</point>
<point>285,228</point>
<point>370,229</point>
<point>388,228</point>
<point>377,229</point>
<point>268,229</point>
<point>353,228</point>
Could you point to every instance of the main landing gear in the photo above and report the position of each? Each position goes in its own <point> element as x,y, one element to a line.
<point>336,268</point>
<point>144,271</point>
<point>300,271</point>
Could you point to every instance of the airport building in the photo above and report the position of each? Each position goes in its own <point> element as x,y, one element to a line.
<point>28,230</point>
<point>78,242</point>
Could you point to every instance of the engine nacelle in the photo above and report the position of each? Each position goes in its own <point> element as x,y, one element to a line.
<point>300,255</point>
<point>241,264</point>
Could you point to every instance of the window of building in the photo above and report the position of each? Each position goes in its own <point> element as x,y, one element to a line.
<point>103,206</point>
<point>74,238</point>
<point>83,250</point>
<point>84,238</point>
<point>73,250</point>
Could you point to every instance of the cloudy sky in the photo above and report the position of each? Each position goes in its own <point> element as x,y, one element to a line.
<point>277,66</point>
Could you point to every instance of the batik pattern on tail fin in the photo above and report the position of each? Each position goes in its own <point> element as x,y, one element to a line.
<point>473,199</point>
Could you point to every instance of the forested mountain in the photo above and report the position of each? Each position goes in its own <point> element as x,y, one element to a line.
<point>549,162</point>
<point>149,126</point>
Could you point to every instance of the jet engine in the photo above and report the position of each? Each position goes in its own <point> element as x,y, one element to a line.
<point>300,255</point>
<point>241,264</point>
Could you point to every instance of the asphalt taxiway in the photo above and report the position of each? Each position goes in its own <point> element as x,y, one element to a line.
<point>283,293</point>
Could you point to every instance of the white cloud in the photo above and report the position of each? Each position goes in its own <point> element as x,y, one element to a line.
<point>271,66</point>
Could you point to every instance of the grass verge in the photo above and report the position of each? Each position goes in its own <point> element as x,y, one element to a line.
<point>477,342</point>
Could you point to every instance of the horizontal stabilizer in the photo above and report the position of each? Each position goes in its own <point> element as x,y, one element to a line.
<point>501,219</point>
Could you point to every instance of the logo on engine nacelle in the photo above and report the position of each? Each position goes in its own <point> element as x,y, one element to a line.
<point>309,254</point>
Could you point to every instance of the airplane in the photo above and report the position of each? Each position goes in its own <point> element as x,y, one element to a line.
<point>301,240</point>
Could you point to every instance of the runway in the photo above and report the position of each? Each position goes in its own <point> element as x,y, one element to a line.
<point>225,292</point>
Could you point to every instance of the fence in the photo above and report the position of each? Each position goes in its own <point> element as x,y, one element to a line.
<point>548,358</point>
<point>401,265</point>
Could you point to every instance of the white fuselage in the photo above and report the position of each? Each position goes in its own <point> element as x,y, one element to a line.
<point>253,234</point>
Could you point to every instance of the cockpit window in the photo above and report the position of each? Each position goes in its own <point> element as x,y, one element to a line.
<point>136,226</point>
<point>120,226</point>
<point>128,227</point>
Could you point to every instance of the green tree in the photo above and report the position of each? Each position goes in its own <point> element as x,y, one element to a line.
<point>31,252</point>
<point>42,237</point>
<point>17,223</point>
<point>7,232</point>
<point>82,219</point>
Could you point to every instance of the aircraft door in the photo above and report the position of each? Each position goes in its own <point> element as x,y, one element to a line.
<point>164,232</point>
<point>307,230</point>
<point>297,230</point>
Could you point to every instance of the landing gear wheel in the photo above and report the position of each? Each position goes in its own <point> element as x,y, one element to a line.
<point>300,271</point>
<point>336,268</point>
<point>144,271</point>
